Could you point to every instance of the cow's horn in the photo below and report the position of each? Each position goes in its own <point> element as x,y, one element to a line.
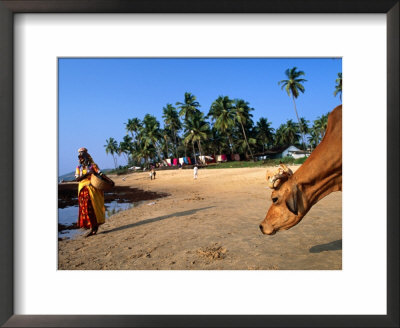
<point>277,183</point>
<point>286,169</point>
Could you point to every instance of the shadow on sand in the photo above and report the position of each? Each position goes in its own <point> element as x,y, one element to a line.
<point>159,218</point>
<point>332,246</point>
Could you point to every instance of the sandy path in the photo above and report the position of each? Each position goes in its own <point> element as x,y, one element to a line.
<point>209,223</point>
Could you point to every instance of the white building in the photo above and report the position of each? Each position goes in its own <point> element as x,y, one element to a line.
<point>295,152</point>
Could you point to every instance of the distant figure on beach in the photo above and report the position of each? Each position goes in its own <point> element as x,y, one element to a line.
<point>91,200</point>
<point>152,173</point>
<point>195,170</point>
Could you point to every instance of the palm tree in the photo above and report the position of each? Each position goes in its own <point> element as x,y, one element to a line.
<point>112,148</point>
<point>197,129</point>
<point>172,122</point>
<point>145,152</point>
<point>133,126</point>
<point>264,132</point>
<point>151,133</point>
<point>303,126</point>
<point>242,115</point>
<point>221,112</point>
<point>220,104</point>
<point>166,141</point>
<point>287,134</point>
<point>317,131</point>
<point>320,125</point>
<point>314,137</point>
<point>280,136</point>
<point>291,132</point>
<point>189,107</point>
<point>293,85</point>
<point>126,147</point>
<point>338,86</point>
<point>215,142</point>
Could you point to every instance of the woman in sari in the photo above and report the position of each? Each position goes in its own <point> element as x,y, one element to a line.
<point>91,200</point>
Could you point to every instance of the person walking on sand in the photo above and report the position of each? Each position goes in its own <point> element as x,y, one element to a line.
<point>91,200</point>
<point>195,170</point>
<point>152,173</point>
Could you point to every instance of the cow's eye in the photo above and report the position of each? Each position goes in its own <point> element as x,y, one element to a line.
<point>274,199</point>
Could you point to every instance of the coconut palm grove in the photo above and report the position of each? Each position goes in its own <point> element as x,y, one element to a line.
<point>191,129</point>
<point>139,112</point>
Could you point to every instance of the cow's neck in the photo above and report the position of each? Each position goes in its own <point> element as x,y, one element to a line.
<point>318,177</point>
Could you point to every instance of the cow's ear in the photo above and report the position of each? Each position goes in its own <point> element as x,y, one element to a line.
<point>291,201</point>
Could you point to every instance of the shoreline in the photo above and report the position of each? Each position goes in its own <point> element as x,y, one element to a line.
<point>207,224</point>
<point>68,194</point>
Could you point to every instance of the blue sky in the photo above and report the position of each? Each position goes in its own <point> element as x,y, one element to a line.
<point>97,96</point>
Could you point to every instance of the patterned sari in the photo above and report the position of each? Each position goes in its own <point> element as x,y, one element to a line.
<point>91,200</point>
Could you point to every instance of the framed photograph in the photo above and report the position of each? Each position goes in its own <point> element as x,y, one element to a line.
<point>74,70</point>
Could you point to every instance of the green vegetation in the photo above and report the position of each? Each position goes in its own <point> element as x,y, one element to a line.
<point>226,128</point>
<point>267,162</point>
<point>300,160</point>
<point>338,86</point>
<point>112,148</point>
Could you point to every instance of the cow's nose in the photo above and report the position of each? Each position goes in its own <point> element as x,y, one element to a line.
<point>267,228</point>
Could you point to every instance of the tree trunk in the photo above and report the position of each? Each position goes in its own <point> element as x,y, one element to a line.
<point>298,120</point>
<point>230,143</point>
<point>166,145</point>
<point>115,161</point>
<point>200,150</point>
<point>158,151</point>
<point>245,138</point>
<point>194,153</point>
<point>176,146</point>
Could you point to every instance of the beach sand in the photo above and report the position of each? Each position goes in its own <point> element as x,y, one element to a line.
<point>207,224</point>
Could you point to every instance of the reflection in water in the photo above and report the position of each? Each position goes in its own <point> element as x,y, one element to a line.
<point>69,215</point>
<point>114,207</point>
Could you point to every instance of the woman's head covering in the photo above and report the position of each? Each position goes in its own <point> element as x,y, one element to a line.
<point>86,156</point>
<point>82,150</point>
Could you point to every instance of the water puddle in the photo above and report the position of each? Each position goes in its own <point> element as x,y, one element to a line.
<point>115,207</point>
<point>68,216</point>
<point>119,199</point>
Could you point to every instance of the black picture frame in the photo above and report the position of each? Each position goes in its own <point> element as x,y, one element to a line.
<point>10,7</point>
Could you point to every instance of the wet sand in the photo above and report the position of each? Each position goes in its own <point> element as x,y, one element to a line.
<point>68,194</point>
<point>207,224</point>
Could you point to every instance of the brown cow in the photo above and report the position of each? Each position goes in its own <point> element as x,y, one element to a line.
<point>320,175</point>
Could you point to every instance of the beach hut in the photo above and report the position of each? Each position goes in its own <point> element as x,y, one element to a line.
<point>175,162</point>
<point>168,161</point>
<point>294,152</point>
<point>181,160</point>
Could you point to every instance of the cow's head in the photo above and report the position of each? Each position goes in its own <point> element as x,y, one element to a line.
<point>285,211</point>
